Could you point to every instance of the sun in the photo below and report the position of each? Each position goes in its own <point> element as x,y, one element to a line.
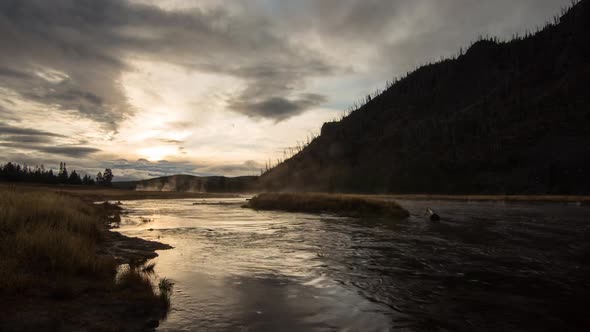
<point>157,153</point>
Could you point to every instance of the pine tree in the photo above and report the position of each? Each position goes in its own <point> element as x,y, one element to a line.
<point>99,179</point>
<point>74,178</point>
<point>63,173</point>
<point>108,177</point>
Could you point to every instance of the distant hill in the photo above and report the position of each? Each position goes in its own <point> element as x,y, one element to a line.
<point>190,183</point>
<point>504,117</point>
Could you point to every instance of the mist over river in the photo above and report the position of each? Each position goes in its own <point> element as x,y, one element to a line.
<point>488,266</point>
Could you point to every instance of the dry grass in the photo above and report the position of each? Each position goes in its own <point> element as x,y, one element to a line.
<point>349,205</point>
<point>47,235</point>
<point>135,279</point>
<point>165,286</point>
<point>49,262</point>
<point>139,280</point>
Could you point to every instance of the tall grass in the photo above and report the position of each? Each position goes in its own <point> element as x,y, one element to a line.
<point>44,236</point>
<point>349,205</point>
<point>50,262</point>
<point>139,280</point>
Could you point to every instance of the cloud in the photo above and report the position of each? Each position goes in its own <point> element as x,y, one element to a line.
<point>70,151</point>
<point>276,108</point>
<point>70,54</point>
<point>170,141</point>
<point>67,151</point>
<point>12,130</point>
<point>25,138</point>
<point>249,167</point>
<point>386,38</point>
<point>13,73</point>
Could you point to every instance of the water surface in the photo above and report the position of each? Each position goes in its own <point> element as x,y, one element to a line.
<point>486,266</point>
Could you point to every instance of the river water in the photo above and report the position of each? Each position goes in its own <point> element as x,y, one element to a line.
<point>487,266</point>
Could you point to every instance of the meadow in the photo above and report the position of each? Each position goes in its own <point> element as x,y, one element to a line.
<point>52,272</point>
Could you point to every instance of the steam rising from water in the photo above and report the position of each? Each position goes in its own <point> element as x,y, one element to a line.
<point>172,183</point>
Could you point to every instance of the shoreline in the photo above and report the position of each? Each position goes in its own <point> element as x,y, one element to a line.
<point>125,249</point>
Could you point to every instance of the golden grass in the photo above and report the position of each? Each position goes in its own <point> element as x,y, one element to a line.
<point>45,236</point>
<point>138,280</point>
<point>349,205</point>
<point>49,244</point>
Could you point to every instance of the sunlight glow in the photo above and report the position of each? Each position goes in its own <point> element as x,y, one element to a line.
<point>157,153</point>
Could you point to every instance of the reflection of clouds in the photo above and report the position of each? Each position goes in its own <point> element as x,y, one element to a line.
<point>237,269</point>
<point>267,303</point>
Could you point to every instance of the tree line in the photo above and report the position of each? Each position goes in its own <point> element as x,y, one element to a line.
<point>14,172</point>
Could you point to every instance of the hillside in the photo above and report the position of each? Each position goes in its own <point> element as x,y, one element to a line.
<point>504,117</point>
<point>190,183</point>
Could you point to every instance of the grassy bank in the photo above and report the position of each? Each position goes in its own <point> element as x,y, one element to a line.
<point>52,275</point>
<point>348,205</point>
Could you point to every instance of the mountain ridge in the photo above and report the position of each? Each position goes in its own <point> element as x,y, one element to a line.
<point>504,117</point>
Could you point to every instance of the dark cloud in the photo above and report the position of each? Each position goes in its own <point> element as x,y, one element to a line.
<point>70,54</point>
<point>12,130</point>
<point>395,36</point>
<point>70,151</point>
<point>14,73</point>
<point>25,138</point>
<point>62,150</point>
<point>276,108</point>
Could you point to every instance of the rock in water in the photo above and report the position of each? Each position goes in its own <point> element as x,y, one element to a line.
<point>432,215</point>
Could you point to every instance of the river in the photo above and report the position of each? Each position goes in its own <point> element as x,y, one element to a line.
<point>488,266</point>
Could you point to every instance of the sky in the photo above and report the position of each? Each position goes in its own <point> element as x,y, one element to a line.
<point>212,87</point>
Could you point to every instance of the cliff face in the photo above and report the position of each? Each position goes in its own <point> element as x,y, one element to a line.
<point>505,117</point>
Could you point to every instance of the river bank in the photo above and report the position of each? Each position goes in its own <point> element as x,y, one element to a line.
<point>63,269</point>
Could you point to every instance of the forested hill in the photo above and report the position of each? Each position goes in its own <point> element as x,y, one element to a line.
<point>504,117</point>
<point>190,183</point>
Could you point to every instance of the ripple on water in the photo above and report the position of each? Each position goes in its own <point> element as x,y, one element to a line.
<point>486,266</point>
